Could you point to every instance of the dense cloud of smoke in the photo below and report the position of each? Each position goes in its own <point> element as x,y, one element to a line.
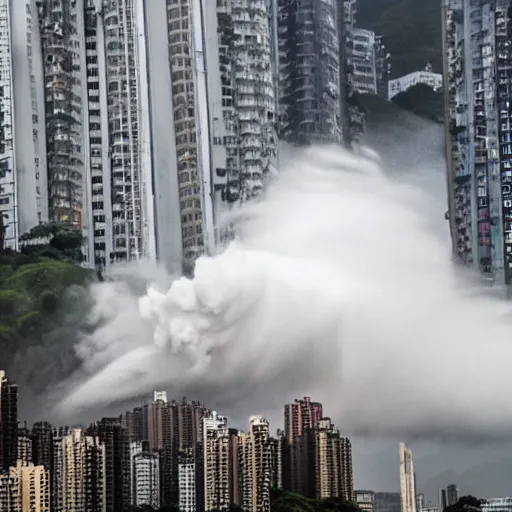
<point>335,287</point>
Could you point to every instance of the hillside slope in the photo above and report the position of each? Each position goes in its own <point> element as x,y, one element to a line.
<point>43,300</point>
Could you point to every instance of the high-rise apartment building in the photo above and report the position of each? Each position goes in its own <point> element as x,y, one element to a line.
<point>187,485</point>
<point>407,483</point>
<point>216,463</point>
<point>8,422</point>
<point>317,461</point>
<point>42,445</point>
<point>62,35</point>
<point>478,81</point>
<point>255,461</point>
<point>10,499</point>
<point>452,494</point>
<point>156,424</point>
<point>114,438</point>
<point>25,487</point>
<point>144,475</point>
<point>312,71</point>
<point>298,467</point>
<point>277,459</point>
<point>443,499</point>
<point>328,466</point>
<point>57,469</point>
<point>23,171</point>
<point>82,473</point>
<point>333,468</point>
<point>370,63</point>
<point>354,117</point>
<point>133,421</point>
<point>214,94</point>
<point>24,447</point>
<point>347,470</point>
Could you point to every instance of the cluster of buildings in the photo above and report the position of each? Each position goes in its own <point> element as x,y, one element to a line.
<point>139,122</point>
<point>477,39</point>
<point>168,453</point>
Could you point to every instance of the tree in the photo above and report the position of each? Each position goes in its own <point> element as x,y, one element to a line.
<point>423,101</point>
<point>43,304</point>
<point>466,504</point>
<point>284,501</point>
<point>54,241</point>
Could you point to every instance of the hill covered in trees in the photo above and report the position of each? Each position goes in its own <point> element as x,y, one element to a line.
<point>411,30</point>
<point>43,296</point>
<point>423,101</point>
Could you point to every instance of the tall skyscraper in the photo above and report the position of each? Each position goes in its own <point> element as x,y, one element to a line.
<point>328,465</point>
<point>216,463</point>
<point>407,484</point>
<point>114,438</point>
<point>83,473</point>
<point>298,468</point>
<point>24,446</point>
<point>213,92</point>
<point>370,63</point>
<point>443,500</point>
<point>57,484</point>
<point>23,171</point>
<point>256,460</point>
<point>42,445</point>
<point>62,33</point>
<point>347,470</point>
<point>452,494</point>
<point>133,421</point>
<point>8,422</point>
<point>316,459</point>
<point>277,459</point>
<point>478,81</point>
<point>311,71</point>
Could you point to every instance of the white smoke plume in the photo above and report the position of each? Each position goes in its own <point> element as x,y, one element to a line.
<point>335,287</point>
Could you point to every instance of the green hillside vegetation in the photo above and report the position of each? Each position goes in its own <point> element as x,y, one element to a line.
<point>411,30</point>
<point>41,289</point>
<point>423,101</point>
<point>283,501</point>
